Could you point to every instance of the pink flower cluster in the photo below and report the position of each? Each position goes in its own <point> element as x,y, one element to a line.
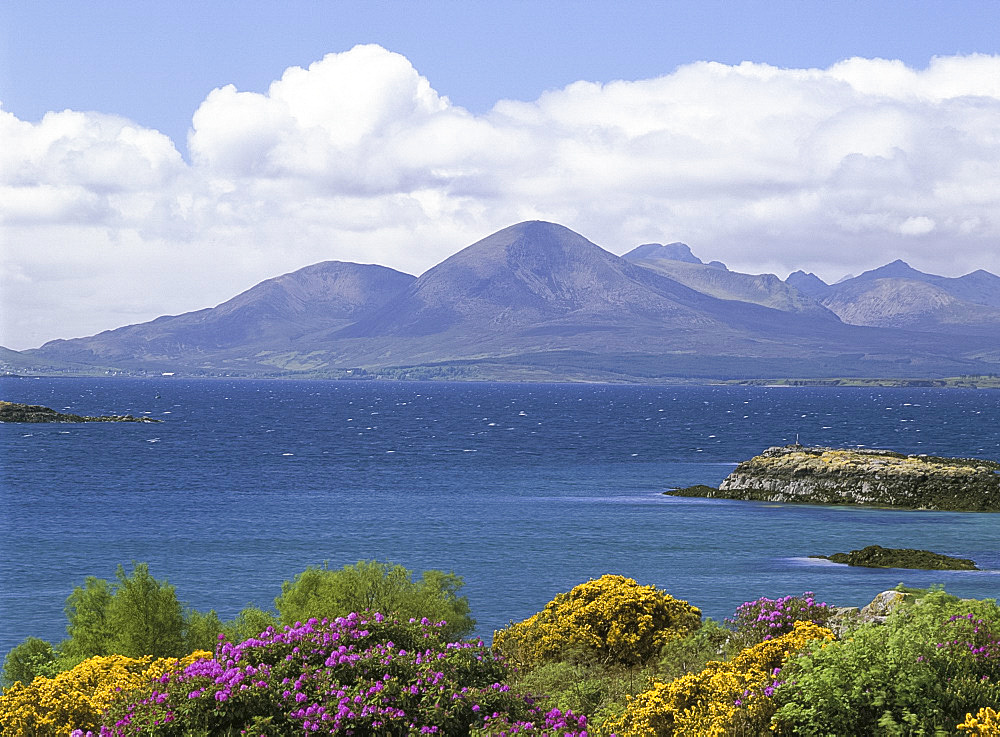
<point>361,674</point>
<point>765,618</point>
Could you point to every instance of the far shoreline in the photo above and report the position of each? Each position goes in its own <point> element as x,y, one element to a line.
<point>441,374</point>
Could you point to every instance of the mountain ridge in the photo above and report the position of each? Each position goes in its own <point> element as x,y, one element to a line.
<point>527,295</point>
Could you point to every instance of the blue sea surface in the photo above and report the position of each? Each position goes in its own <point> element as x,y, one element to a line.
<point>525,490</point>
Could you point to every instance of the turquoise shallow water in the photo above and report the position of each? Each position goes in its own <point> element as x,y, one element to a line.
<point>525,490</point>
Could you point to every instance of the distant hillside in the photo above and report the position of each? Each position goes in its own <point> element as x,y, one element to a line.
<point>910,304</point>
<point>979,287</point>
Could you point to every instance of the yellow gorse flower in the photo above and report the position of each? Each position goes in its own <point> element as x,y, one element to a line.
<point>724,698</point>
<point>75,699</point>
<point>612,619</point>
<point>986,723</point>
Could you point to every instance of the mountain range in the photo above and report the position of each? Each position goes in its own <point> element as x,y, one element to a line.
<point>539,301</point>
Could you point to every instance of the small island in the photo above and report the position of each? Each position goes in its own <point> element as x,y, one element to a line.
<point>875,556</point>
<point>863,477</point>
<point>14,412</point>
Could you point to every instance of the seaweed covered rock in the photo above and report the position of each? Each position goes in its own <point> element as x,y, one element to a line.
<point>875,556</point>
<point>866,477</point>
<point>16,412</point>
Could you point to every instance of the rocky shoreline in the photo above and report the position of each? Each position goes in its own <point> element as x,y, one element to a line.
<point>862,477</point>
<point>15,412</point>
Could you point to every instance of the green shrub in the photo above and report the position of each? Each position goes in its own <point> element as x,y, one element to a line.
<point>373,586</point>
<point>921,671</point>
<point>31,658</point>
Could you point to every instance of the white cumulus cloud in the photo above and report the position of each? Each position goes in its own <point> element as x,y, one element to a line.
<point>358,157</point>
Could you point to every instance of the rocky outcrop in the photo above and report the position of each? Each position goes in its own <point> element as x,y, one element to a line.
<point>875,556</point>
<point>14,412</point>
<point>867,477</point>
<point>846,618</point>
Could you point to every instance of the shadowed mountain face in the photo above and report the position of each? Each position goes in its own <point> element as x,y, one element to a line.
<point>536,296</point>
<point>809,284</point>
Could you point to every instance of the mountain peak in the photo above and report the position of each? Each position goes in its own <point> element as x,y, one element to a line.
<point>897,269</point>
<point>676,251</point>
<point>808,283</point>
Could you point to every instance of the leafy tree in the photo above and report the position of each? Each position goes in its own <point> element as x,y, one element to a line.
<point>87,621</point>
<point>250,622</point>
<point>145,616</point>
<point>381,587</point>
<point>134,616</point>
<point>33,657</point>
<point>201,630</point>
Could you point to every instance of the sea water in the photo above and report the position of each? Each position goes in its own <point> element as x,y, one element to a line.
<point>525,490</point>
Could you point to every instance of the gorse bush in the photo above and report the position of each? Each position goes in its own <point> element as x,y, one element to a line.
<point>986,723</point>
<point>632,658</point>
<point>363,674</point>
<point>610,620</point>
<point>600,690</point>
<point>725,698</point>
<point>76,699</point>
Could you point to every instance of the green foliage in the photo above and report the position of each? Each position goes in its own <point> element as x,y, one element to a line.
<point>134,616</point>
<point>690,654</point>
<point>33,657</point>
<point>921,671</point>
<point>378,587</point>
<point>87,621</point>
<point>602,690</point>
<point>201,629</point>
<point>145,616</point>
<point>250,622</point>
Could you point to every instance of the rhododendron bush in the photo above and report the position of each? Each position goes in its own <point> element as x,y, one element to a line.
<point>363,674</point>
<point>763,618</point>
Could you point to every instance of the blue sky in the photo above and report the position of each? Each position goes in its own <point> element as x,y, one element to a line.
<point>828,136</point>
<point>153,62</point>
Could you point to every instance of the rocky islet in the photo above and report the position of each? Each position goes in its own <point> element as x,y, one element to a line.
<point>16,412</point>
<point>860,476</point>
